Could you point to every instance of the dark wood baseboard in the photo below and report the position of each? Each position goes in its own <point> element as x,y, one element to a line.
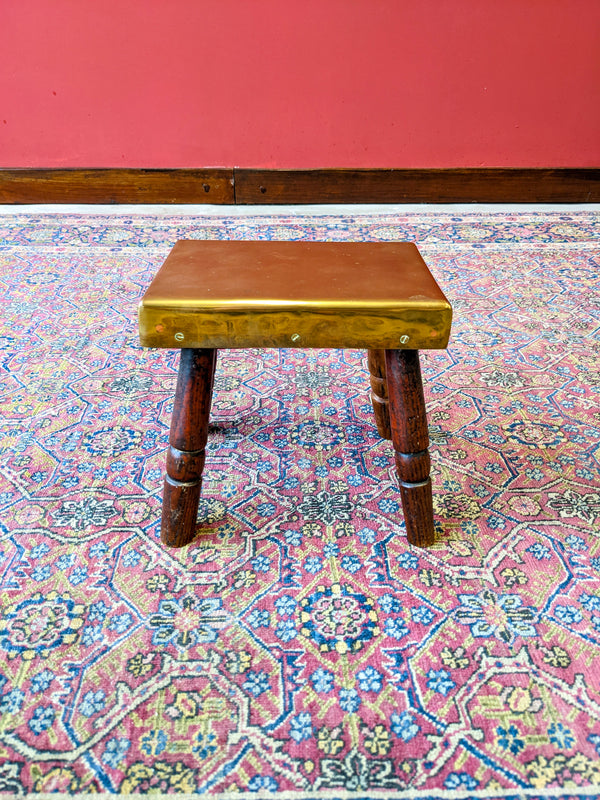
<point>258,186</point>
<point>116,186</point>
<point>418,186</point>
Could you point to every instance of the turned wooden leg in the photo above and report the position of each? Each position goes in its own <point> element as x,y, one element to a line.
<point>187,439</point>
<point>411,439</point>
<point>379,392</point>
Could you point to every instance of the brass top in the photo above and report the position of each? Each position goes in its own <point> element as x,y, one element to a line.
<point>294,294</point>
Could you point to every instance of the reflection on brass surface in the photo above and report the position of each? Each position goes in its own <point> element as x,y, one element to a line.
<point>227,294</point>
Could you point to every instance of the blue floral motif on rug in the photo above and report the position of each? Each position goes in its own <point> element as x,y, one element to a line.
<point>299,645</point>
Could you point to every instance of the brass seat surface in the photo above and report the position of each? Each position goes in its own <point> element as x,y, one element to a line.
<point>239,294</point>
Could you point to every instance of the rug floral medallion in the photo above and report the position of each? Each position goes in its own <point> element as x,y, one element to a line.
<point>299,646</point>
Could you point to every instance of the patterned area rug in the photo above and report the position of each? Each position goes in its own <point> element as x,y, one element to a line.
<point>299,645</point>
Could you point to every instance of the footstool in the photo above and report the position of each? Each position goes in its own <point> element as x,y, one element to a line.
<point>211,295</point>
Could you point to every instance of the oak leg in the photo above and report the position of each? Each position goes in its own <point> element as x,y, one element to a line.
<point>379,392</point>
<point>187,440</point>
<point>410,438</point>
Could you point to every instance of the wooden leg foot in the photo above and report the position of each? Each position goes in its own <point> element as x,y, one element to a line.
<point>379,392</point>
<point>187,439</point>
<point>410,437</point>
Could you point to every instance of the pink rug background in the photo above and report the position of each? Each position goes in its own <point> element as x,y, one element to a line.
<point>299,645</point>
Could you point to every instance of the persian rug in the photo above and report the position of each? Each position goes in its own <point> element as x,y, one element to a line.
<point>299,645</point>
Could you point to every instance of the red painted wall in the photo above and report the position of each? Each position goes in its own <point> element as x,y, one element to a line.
<point>290,84</point>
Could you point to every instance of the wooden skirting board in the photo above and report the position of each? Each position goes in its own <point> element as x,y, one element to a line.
<point>116,186</point>
<point>259,186</point>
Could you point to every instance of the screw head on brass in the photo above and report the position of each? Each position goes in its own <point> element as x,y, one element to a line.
<point>404,339</point>
<point>295,337</point>
<point>179,337</point>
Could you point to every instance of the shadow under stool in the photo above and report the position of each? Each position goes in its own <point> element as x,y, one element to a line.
<point>211,295</point>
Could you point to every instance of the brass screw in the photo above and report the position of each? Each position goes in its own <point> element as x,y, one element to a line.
<point>404,339</point>
<point>179,337</point>
<point>295,337</point>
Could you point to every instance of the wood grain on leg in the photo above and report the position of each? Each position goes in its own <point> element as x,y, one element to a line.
<point>379,392</point>
<point>187,440</point>
<point>410,438</point>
